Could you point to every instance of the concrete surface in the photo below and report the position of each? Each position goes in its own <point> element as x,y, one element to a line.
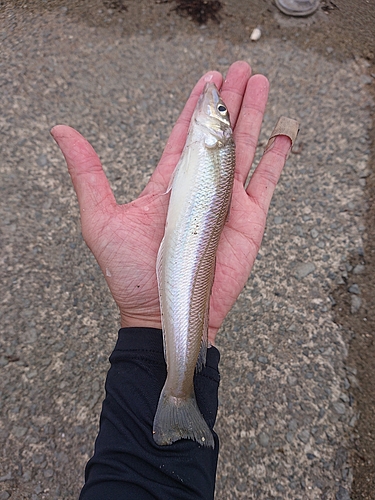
<point>286,415</point>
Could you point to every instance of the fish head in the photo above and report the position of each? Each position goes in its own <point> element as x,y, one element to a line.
<point>212,115</point>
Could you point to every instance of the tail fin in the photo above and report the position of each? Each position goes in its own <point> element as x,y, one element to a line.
<point>178,418</point>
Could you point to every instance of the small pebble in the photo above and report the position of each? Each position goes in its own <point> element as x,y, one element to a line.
<point>19,431</point>
<point>70,355</point>
<point>304,436</point>
<point>304,269</point>
<point>39,458</point>
<point>3,361</point>
<point>263,360</point>
<point>366,79</point>
<point>354,289</point>
<point>263,439</point>
<point>26,476</point>
<point>290,436</point>
<point>42,160</point>
<point>48,473</point>
<point>241,487</point>
<point>293,425</point>
<point>359,269</point>
<point>252,445</point>
<point>342,494</point>
<point>255,35</point>
<point>344,398</point>
<point>339,408</point>
<point>353,421</point>
<point>356,303</point>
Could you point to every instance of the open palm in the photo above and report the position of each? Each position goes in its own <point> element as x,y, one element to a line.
<point>125,238</point>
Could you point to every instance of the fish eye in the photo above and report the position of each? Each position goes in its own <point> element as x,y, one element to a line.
<point>222,109</point>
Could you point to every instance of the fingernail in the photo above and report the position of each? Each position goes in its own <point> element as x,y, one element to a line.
<point>284,126</point>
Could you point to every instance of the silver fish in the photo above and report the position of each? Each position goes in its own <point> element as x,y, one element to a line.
<point>201,190</point>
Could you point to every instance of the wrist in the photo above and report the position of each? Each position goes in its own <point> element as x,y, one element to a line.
<point>140,321</point>
<point>128,321</point>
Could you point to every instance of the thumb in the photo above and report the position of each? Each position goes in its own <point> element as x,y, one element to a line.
<point>89,180</point>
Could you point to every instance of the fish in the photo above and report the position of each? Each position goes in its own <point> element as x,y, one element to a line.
<point>200,195</point>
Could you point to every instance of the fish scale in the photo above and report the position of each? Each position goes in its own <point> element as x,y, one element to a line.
<point>198,207</point>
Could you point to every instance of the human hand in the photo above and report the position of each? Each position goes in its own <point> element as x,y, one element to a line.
<point>125,238</point>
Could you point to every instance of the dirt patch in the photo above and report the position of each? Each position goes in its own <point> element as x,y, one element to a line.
<point>344,27</point>
<point>200,11</point>
<point>357,291</point>
<point>117,5</point>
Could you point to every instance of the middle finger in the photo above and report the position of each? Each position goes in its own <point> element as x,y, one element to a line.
<point>233,88</point>
<point>249,123</point>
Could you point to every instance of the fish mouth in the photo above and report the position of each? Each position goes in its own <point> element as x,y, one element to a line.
<point>209,99</point>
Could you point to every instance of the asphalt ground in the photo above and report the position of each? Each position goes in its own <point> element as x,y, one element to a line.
<point>287,416</point>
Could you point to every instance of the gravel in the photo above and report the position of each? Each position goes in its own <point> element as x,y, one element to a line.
<point>282,421</point>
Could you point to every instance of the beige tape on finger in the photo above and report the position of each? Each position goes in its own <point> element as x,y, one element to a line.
<point>284,126</point>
